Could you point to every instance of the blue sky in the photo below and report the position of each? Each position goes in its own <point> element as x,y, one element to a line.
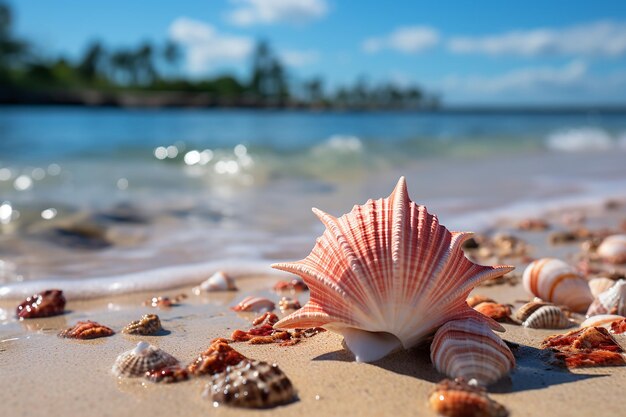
<point>470,52</point>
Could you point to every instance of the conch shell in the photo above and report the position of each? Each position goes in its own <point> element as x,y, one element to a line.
<point>612,301</point>
<point>386,276</point>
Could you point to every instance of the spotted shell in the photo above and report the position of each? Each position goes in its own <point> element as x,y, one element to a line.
<point>613,249</point>
<point>612,301</point>
<point>555,281</point>
<point>598,285</point>
<point>219,281</point>
<point>386,276</point>
<point>548,317</point>
<point>251,384</point>
<point>468,349</point>
<point>255,304</point>
<point>143,358</point>
<point>148,324</point>
<point>45,304</point>
<point>601,320</point>
<point>459,399</point>
<point>87,330</point>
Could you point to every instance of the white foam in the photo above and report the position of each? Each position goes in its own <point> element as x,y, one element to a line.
<point>580,140</point>
<point>340,143</point>
<point>151,280</point>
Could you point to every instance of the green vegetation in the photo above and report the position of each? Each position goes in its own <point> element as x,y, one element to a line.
<point>149,75</point>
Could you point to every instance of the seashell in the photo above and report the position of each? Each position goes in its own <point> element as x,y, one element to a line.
<point>613,249</point>
<point>618,326</point>
<point>86,330</point>
<point>555,281</point>
<point>385,276</point>
<point>612,301</point>
<point>599,285</point>
<point>547,317</point>
<point>467,348</point>
<point>496,311</point>
<point>601,320</point>
<point>148,324</point>
<point>143,358</point>
<point>219,281</point>
<point>168,375</point>
<point>590,346</point>
<point>287,303</point>
<point>256,304</point>
<point>250,384</point>
<point>534,225</point>
<point>474,300</point>
<point>460,399</point>
<point>529,308</point>
<point>293,286</point>
<point>215,359</point>
<point>45,304</point>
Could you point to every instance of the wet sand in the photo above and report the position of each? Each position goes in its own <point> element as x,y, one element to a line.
<point>42,373</point>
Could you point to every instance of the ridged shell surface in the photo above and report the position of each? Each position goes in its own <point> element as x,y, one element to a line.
<point>600,285</point>
<point>149,324</point>
<point>251,384</point>
<point>143,358</point>
<point>529,308</point>
<point>612,301</point>
<point>386,276</point>
<point>459,399</point>
<point>553,280</point>
<point>548,317</point>
<point>613,249</point>
<point>468,349</point>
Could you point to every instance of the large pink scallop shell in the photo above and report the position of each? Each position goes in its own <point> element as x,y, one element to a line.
<point>386,276</point>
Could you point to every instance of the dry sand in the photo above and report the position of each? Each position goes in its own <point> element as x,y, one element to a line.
<point>42,374</point>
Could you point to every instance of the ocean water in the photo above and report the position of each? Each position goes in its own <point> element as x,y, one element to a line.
<point>102,192</point>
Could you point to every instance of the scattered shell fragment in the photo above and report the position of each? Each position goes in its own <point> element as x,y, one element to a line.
<point>87,330</point>
<point>215,359</point>
<point>287,303</point>
<point>264,332</point>
<point>535,225</point>
<point>143,358</point>
<point>255,304</point>
<point>467,348</point>
<point>293,286</point>
<point>459,399</point>
<point>251,384</point>
<point>474,300</point>
<point>496,311</point>
<point>45,304</point>
<point>548,317</point>
<point>599,285</point>
<point>613,249</point>
<point>618,326</point>
<point>373,272</point>
<point>219,281</point>
<point>164,301</point>
<point>586,347</point>
<point>149,324</point>
<point>168,375</point>
<point>601,320</point>
<point>555,281</point>
<point>611,301</point>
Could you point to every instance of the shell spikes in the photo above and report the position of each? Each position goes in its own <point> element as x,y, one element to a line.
<point>386,276</point>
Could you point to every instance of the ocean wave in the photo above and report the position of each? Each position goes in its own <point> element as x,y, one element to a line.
<point>580,140</point>
<point>340,143</point>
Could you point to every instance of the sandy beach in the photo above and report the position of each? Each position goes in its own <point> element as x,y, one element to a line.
<point>73,377</point>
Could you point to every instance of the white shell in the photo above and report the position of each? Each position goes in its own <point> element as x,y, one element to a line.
<point>219,281</point>
<point>557,282</point>
<point>143,358</point>
<point>548,317</point>
<point>601,320</point>
<point>612,301</point>
<point>256,304</point>
<point>468,349</point>
<point>613,249</point>
<point>600,285</point>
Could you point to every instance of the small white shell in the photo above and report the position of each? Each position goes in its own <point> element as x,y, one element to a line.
<point>143,358</point>
<point>557,282</point>
<point>468,349</point>
<point>219,281</point>
<point>547,317</point>
<point>256,304</point>
<point>601,320</point>
<point>612,301</point>
<point>600,285</point>
<point>613,249</point>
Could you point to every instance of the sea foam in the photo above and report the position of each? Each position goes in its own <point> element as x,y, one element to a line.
<point>580,140</point>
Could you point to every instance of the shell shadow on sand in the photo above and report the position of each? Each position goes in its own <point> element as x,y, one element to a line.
<point>533,370</point>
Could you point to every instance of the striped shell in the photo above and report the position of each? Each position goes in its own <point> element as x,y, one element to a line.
<point>613,249</point>
<point>468,349</point>
<point>601,320</point>
<point>256,304</point>
<point>529,308</point>
<point>250,384</point>
<point>149,324</point>
<point>612,301</point>
<point>87,330</point>
<point>547,317</point>
<point>599,285</point>
<point>219,281</point>
<point>143,358</point>
<point>386,276</point>
<point>555,281</point>
<point>459,399</point>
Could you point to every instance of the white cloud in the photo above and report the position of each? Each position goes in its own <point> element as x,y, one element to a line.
<point>408,40</point>
<point>205,46</point>
<point>604,38</point>
<point>522,80</point>
<point>251,12</point>
<point>295,58</point>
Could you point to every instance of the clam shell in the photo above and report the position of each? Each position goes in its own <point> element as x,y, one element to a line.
<point>148,324</point>
<point>555,281</point>
<point>256,304</point>
<point>219,281</point>
<point>599,285</point>
<point>386,276</point>
<point>601,320</point>
<point>613,249</point>
<point>459,399</point>
<point>251,384</point>
<point>548,317</point>
<point>143,358</point>
<point>612,301</point>
<point>468,349</point>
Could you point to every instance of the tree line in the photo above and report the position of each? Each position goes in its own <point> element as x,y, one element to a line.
<point>156,68</point>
